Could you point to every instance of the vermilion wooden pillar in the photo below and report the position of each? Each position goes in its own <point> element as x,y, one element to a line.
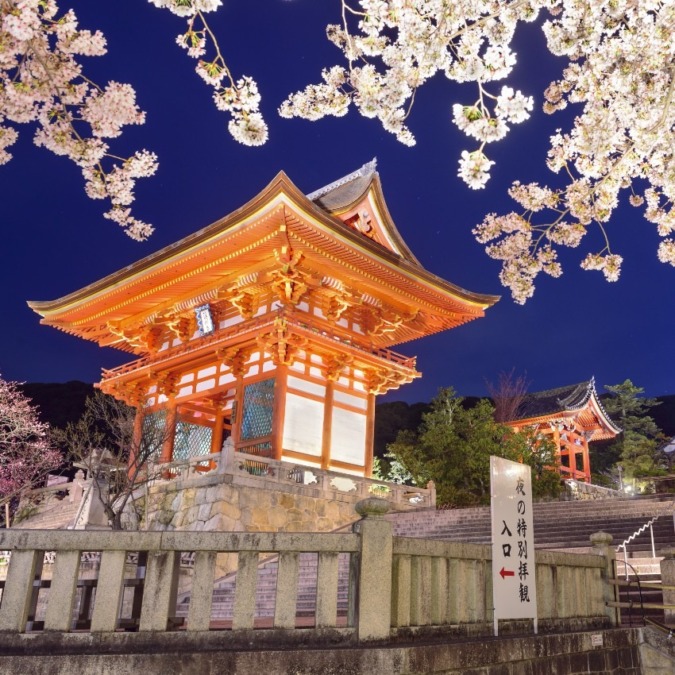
<point>327,425</point>
<point>217,433</point>
<point>170,433</point>
<point>370,436</point>
<point>136,441</point>
<point>279,409</point>
<point>586,460</point>
<point>572,456</point>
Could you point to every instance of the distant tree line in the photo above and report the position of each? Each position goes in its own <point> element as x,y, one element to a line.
<point>448,440</point>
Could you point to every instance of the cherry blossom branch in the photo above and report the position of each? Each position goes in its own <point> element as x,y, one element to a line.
<point>241,98</point>
<point>620,69</point>
<point>25,452</point>
<point>412,41</point>
<point>41,82</point>
<point>625,79</point>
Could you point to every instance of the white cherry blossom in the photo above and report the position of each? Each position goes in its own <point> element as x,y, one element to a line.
<point>42,83</point>
<point>618,72</point>
<point>240,98</point>
<point>619,69</point>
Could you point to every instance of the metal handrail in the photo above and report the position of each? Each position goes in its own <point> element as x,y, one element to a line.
<point>639,587</point>
<point>636,534</point>
<point>660,626</point>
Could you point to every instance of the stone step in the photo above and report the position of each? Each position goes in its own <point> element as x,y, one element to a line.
<point>636,505</point>
<point>224,590</point>
<point>557,525</point>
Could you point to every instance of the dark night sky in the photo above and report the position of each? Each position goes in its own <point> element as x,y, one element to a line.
<point>56,240</point>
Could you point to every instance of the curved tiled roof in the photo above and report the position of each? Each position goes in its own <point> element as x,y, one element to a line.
<point>343,192</point>
<point>552,401</point>
<point>212,257</point>
<point>562,400</point>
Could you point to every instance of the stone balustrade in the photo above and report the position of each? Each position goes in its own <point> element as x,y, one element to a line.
<point>396,585</point>
<point>40,498</point>
<point>255,468</point>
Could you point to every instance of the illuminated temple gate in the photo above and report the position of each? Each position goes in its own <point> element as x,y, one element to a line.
<point>271,326</point>
<point>571,417</point>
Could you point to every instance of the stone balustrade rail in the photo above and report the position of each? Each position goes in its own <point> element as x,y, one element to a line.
<point>396,585</point>
<point>282,473</point>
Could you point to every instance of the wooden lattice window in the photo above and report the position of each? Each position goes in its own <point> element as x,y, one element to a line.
<point>257,411</point>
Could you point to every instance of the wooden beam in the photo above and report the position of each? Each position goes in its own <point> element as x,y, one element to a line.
<point>370,436</point>
<point>279,409</point>
<point>327,425</point>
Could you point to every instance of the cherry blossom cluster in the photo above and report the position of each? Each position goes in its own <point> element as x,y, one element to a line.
<point>394,46</point>
<point>239,98</point>
<point>25,453</point>
<point>622,73</point>
<point>619,73</point>
<point>41,82</point>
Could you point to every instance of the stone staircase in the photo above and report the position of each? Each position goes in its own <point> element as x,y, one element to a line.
<point>222,607</point>
<point>57,515</point>
<point>641,592</point>
<point>558,525</point>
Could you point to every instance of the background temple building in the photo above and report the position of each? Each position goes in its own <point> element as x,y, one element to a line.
<point>272,326</point>
<point>571,416</point>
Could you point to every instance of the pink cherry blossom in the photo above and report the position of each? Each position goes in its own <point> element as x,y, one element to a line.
<point>25,452</point>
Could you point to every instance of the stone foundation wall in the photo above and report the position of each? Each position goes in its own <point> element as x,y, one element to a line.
<point>203,652</point>
<point>210,505</point>
<point>219,506</point>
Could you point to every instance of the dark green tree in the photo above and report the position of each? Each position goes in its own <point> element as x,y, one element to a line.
<point>637,448</point>
<point>453,445</point>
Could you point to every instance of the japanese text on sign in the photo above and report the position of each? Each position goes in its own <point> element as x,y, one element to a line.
<point>513,566</point>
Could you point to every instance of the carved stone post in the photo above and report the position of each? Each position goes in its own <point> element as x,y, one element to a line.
<point>76,488</point>
<point>668,579</point>
<point>226,462</point>
<point>431,486</point>
<point>372,576</point>
<point>602,545</point>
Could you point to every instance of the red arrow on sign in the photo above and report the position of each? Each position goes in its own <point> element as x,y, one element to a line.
<point>506,573</point>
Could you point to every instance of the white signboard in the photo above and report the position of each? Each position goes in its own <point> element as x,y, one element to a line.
<point>513,568</point>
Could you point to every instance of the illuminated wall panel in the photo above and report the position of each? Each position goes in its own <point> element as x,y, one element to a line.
<point>349,399</point>
<point>306,386</point>
<point>303,425</point>
<point>348,437</point>
<point>206,384</point>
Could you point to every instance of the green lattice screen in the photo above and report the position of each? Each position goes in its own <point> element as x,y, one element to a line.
<point>154,432</point>
<point>257,410</point>
<point>191,440</point>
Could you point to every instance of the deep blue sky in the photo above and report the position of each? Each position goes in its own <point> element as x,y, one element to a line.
<point>55,239</point>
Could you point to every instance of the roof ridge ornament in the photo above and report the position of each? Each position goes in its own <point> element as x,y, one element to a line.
<point>567,401</point>
<point>366,170</point>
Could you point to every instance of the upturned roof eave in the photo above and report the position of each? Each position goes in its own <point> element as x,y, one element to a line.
<point>280,184</point>
<point>589,399</point>
<point>375,186</point>
<point>164,254</point>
